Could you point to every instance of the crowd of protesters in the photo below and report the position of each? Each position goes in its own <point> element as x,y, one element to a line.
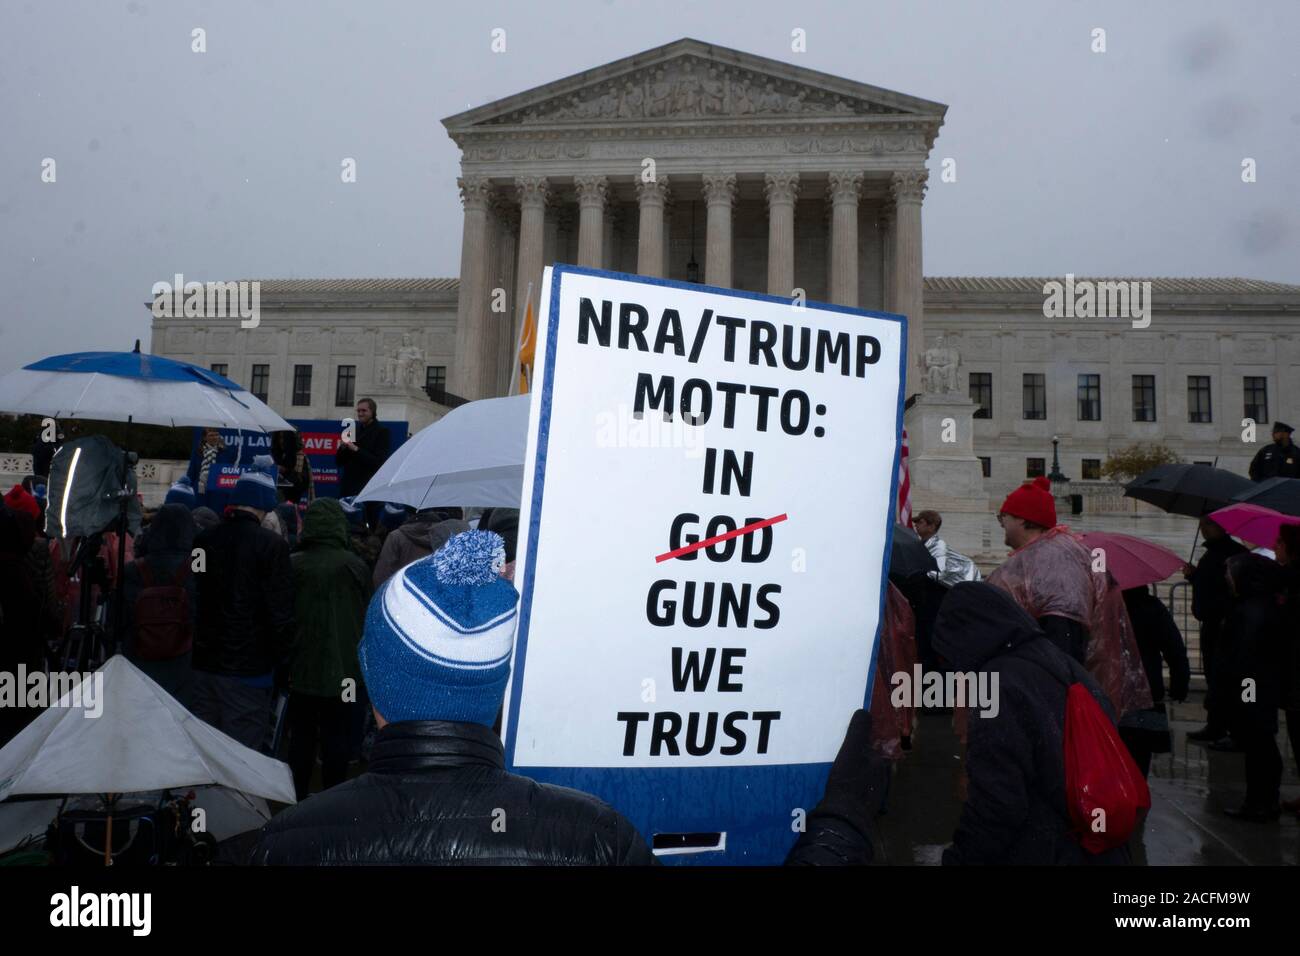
<point>269,611</point>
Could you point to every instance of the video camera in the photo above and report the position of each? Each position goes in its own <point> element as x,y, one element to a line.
<point>91,486</point>
<point>92,490</point>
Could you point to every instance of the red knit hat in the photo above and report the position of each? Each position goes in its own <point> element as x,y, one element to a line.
<point>1032,502</point>
<point>19,499</point>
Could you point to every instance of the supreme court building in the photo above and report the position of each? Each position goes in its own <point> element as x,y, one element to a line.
<point>699,163</point>
<point>692,162</point>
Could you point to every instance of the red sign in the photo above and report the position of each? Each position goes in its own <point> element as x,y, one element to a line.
<point>319,443</point>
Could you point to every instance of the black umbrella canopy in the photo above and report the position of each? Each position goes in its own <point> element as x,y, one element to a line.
<point>1280,494</point>
<point>1192,490</point>
<point>908,555</point>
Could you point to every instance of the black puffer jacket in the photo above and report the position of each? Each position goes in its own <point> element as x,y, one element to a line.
<point>438,793</point>
<point>246,603</point>
<point>1015,810</point>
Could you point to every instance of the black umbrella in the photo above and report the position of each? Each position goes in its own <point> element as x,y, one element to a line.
<point>1280,494</point>
<point>1192,490</point>
<point>908,556</point>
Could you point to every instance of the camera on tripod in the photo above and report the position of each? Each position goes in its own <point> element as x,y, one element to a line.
<point>91,491</point>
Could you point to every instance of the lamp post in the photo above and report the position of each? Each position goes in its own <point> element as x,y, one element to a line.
<point>1055,474</point>
<point>1060,483</point>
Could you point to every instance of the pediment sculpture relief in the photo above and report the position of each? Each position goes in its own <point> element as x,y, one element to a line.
<point>691,88</point>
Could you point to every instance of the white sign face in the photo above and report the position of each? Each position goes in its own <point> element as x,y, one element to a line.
<point>637,650</point>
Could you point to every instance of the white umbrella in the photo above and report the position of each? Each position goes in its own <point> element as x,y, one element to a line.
<point>473,456</point>
<point>142,741</point>
<point>135,387</point>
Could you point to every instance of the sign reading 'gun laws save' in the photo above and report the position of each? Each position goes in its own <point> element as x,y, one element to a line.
<point>708,500</point>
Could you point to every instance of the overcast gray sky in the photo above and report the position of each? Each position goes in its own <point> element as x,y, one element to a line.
<point>226,164</point>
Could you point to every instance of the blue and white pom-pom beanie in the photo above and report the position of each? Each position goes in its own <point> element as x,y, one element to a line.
<point>256,485</point>
<point>354,512</point>
<point>182,493</point>
<point>439,634</point>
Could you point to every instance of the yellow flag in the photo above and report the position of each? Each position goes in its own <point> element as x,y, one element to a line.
<point>527,349</point>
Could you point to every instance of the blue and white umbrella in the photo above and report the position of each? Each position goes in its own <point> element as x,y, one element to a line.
<point>134,387</point>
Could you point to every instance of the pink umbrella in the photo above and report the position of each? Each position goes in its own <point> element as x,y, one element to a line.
<point>1131,561</point>
<point>1252,523</point>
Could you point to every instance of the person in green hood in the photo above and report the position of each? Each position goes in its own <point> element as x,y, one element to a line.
<point>331,593</point>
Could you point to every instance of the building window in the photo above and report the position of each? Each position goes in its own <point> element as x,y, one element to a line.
<point>1035,396</point>
<point>1144,398</point>
<point>1092,469</point>
<point>1035,467</point>
<point>981,393</point>
<point>1256,389</point>
<point>302,385</point>
<point>345,385</point>
<point>1089,398</point>
<point>986,466</point>
<point>435,382</point>
<point>1198,399</point>
<point>261,381</point>
<point>222,369</point>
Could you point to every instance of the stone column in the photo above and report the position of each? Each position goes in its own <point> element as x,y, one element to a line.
<point>781,190</point>
<point>843,190</point>
<point>470,373</point>
<point>650,246</point>
<point>719,194</point>
<point>908,187</point>
<point>492,324</point>
<point>532,192</point>
<point>507,217</point>
<point>592,191</point>
<point>885,221</point>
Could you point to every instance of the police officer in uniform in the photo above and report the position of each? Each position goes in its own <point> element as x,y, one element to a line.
<point>1278,460</point>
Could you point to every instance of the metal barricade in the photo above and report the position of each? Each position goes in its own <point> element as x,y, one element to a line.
<point>1179,602</point>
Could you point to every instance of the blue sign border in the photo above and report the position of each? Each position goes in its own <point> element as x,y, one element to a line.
<point>758,819</point>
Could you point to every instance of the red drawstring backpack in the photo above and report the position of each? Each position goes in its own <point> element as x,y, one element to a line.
<point>1104,789</point>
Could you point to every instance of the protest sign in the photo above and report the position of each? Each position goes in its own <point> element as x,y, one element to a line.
<point>320,441</point>
<point>708,506</point>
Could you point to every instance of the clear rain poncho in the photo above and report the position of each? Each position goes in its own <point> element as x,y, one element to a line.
<point>1053,575</point>
<point>897,655</point>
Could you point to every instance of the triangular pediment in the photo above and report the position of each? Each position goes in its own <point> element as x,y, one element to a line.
<point>692,81</point>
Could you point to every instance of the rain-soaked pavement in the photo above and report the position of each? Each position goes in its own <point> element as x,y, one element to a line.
<point>1186,825</point>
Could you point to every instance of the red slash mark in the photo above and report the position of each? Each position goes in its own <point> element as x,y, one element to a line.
<point>747,529</point>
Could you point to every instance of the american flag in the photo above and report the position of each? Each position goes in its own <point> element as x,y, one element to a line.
<point>904,487</point>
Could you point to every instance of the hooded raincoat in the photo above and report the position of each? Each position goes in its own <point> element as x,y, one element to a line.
<point>331,593</point>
